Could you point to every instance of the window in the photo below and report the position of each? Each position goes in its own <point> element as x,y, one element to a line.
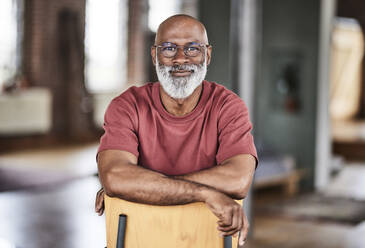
<point>159,10</point>
<point>346,68</point>
<point>10,39</point>
<point>105,45</point>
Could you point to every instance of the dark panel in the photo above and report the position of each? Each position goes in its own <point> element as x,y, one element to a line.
<point>216,15</point>
<point>286,89</point>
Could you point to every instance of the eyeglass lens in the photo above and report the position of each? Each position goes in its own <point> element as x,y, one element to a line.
<point>190,50</point>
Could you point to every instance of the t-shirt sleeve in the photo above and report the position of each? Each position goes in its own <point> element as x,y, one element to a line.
<point>234,130</point>
<point>120,127</point>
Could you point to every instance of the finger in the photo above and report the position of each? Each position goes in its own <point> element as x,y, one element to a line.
<point>240,223</point>
<point>224,230</point>
<point>228,228</point>
<point>226,219</point>
<point>99,201</point>
<point>98,193</point>
<point>236,220</point>
<point>243,232</point>
<point>229,232</point>
<point>236,215</point>
<point>101,211</point>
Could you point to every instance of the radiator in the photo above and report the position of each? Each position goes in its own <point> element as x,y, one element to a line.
<point>26,112</point>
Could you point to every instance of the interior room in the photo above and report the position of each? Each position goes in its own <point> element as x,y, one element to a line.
<point>298,66</point>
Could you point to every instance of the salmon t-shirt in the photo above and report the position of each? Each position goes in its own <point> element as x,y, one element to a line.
<point>217,129</point>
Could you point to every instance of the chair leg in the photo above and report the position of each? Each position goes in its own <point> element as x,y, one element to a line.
<point>122,225</point>
<point>227,242</point>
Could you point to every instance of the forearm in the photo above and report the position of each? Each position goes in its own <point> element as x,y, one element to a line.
<point>121,177</point>
<point>137,184</point>
<point>221,180</point>
<point>232,178</point>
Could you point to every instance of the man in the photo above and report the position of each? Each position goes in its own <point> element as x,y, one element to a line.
<point>182,139</point>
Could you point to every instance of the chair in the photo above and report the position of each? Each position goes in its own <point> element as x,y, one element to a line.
<point>183,226</point>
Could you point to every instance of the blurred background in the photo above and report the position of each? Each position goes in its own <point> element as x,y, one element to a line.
<point>298,65</point>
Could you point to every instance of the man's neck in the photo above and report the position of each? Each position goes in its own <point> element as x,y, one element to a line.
<point>181,107</point>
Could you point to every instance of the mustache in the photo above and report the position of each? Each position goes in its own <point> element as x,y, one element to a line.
<point>187,67</point>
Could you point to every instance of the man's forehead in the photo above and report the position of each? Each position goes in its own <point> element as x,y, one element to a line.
<point>191,43</point>
<point>181,31</point>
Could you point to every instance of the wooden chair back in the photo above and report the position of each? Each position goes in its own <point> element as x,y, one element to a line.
<point>183,226</point>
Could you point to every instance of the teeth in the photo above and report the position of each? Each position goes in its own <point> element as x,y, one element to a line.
<point>177,71</point>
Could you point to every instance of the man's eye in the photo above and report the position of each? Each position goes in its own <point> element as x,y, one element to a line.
<point>168,48</point>
<point>192,48</point>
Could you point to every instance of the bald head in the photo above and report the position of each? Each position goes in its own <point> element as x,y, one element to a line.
<point>181,27</point>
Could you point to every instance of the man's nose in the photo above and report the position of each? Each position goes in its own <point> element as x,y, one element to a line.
<point>180,57</point>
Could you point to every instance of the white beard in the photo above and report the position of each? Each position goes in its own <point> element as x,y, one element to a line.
<point>180,87</point>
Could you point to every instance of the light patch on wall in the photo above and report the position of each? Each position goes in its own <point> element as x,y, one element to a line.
<point>346,69</point>
<point>8,40</point>
<point>105,45</point>
<point>161,10</point>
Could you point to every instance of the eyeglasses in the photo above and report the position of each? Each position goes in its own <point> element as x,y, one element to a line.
<point>169,50</point>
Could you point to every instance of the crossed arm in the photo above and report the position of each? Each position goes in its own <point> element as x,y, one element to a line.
<point>217,187</point>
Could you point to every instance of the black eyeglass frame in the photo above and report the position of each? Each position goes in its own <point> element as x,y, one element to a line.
<point>184,48</point>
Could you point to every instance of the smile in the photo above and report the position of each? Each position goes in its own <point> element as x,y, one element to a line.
<point>181,73</point>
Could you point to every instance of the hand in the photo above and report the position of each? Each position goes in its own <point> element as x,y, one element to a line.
<point>244,231</point>
<point>99,202</point>
<point>232,219</point>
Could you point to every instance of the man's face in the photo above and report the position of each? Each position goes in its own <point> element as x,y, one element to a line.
<point>180,80</point>
<point>181,74</point>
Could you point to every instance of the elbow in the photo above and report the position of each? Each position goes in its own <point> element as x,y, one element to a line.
<point>110,192</point>
<point>241,187</point>
<point>240,193</point>
<point>109,185</point>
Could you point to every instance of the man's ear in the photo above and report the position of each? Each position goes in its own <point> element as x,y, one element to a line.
<point>153,55</point>
<point>209,53</point>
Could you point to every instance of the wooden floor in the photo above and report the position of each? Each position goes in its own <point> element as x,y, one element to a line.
<point>276,232</point>
<point>62,215</point>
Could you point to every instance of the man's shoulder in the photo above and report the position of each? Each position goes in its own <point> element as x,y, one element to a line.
<point>219,93</point>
